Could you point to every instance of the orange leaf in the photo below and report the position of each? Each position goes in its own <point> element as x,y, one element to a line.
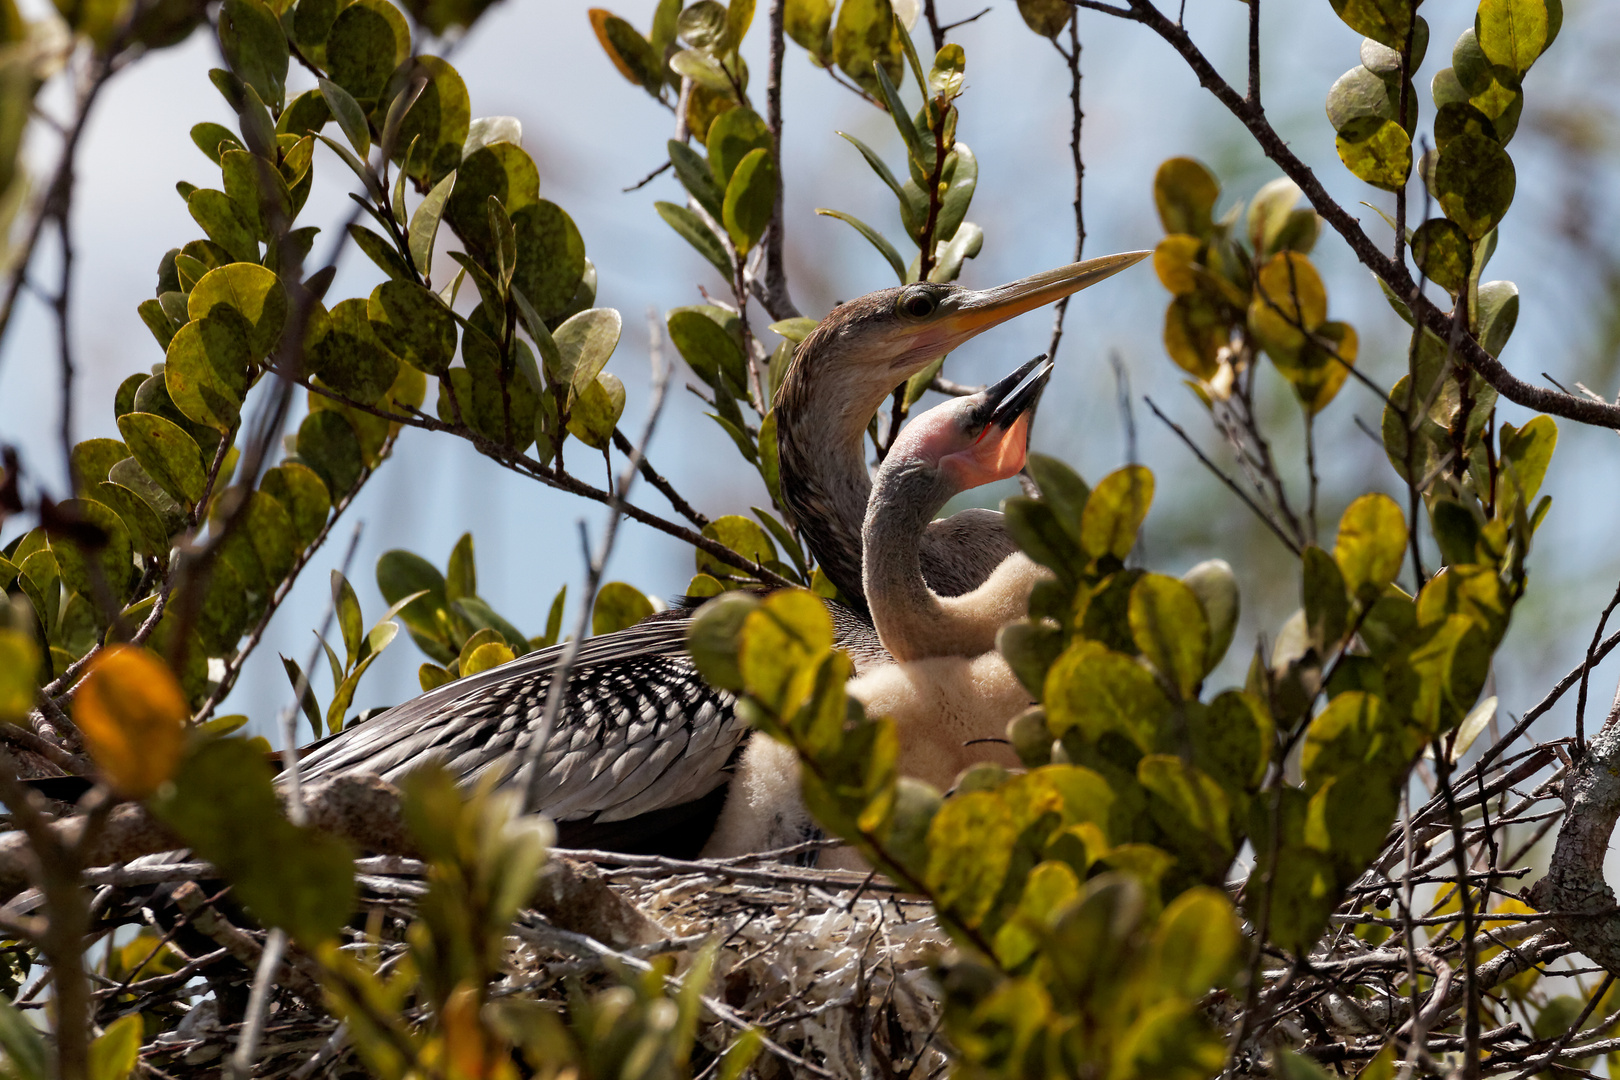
<point>133,716</point>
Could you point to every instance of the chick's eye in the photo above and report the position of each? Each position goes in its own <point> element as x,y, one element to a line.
<point>920,305</point>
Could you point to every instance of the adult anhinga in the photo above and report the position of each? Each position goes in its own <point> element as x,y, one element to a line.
<point>950,694</point>
<point>638,758</point>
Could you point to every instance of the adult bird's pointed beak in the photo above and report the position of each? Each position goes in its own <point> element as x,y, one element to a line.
<point>978,310</point>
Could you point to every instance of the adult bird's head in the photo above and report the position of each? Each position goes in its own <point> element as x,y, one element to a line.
<point>842,372</point>
<point>869,345</point>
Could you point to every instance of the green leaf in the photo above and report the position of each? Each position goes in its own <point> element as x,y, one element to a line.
<point>1370,546</point>
<point>1289,302</point>
<point>23,1044</point>
<point>206,368</point>
<point>438,121</point>
<point>1514,33</point>
<point>1169,626</point>
<point>111,563</point>
<point>1046,17</point>
<point>1442,251</point>
<point>413,324</point>
<point>781,640</point>
<point>631,53</point>
<point>550,258</point>
<point>700,236</point>
<point>251,38</point>
<point>92,459</point>
<point>1385,21</point>
<point>500,169</point>
<point>223,804</point>
<point>368,41</point>
<point>349,115</point>
<point>1530,449</point>
<point>1496,312</point>
<point>966,244</point>
<point>877,164</point>
<point>302,494</point>
<point>169,455</point>
<point>809,23</point>
<point>251,292</point>
<point>618,606</point>
<point>713,638</point>
<point>1184,191</point>
<point>307,113</point>
<point>1376,151</point>
<point>214,139</point>
<point>711,351</point>
<point>424,227</point>
<point>734,135</point>
<point>225,223</point>
<point>1216,588</point>
<point>327,443</point>
<point>584,344</point>
<point>1095,691</point>
<point>750,196</point>
<point>1038,530</point>
<point>1474,180</point>
<point>381,252</point>
<point>694,174</point>
<point>1327,607</point>
<point>739,534</point>
<point>1115,511</point>
<point>148,532</point>
<point>962,179</point>
<point>596,411</point>
<point>873,237</point>
<point>864,35</point>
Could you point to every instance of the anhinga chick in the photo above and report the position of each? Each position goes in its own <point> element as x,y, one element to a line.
<point>949,690</point>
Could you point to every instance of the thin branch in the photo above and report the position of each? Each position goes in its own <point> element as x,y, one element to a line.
<point>595,564</point>
<point>1237,490</point>
<point>773,291</point>
<point>649,178</point>
<point>1071,57</point>
<point>1395,275</point>
<point>1586,672</point>
<point>663,486</point>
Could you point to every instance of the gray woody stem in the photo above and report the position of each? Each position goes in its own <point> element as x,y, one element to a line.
<point>1574,890</point>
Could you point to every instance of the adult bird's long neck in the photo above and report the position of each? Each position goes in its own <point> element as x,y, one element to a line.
<point>821,431</point>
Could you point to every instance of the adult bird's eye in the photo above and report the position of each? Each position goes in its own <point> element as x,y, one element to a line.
<point>920,305</point>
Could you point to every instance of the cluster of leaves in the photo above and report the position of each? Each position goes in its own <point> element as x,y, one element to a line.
<point>1027,870</point>
<point>1242,284</point>
<point>1140,791</point>
<point>1478,100</point>
<point>361,647</point>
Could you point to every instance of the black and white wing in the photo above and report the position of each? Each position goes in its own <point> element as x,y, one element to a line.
<point>640,733</point>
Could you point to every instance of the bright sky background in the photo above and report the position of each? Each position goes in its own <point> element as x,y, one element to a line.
<point>592,134</point>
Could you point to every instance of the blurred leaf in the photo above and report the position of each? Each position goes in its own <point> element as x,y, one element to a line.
<point>250,36</point>
<point>19,666</point>
<point>1115,511</point>
<point>1170,627</point>
<point>1289,302</point>
<point>224,806</point>
<point>1530,449</point>
<point>618,606</point>
<point>713,638</point>
<point>1474,181</point>
<point>133,716</point>
<point>115,1051</point>
<point>23,1045</point>
<point>1195,331</point>
<point>1184,191</point>
<point>368,40</point>
<point>864,35</point>
<point>1370,546</point>
<point>809,22</point>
